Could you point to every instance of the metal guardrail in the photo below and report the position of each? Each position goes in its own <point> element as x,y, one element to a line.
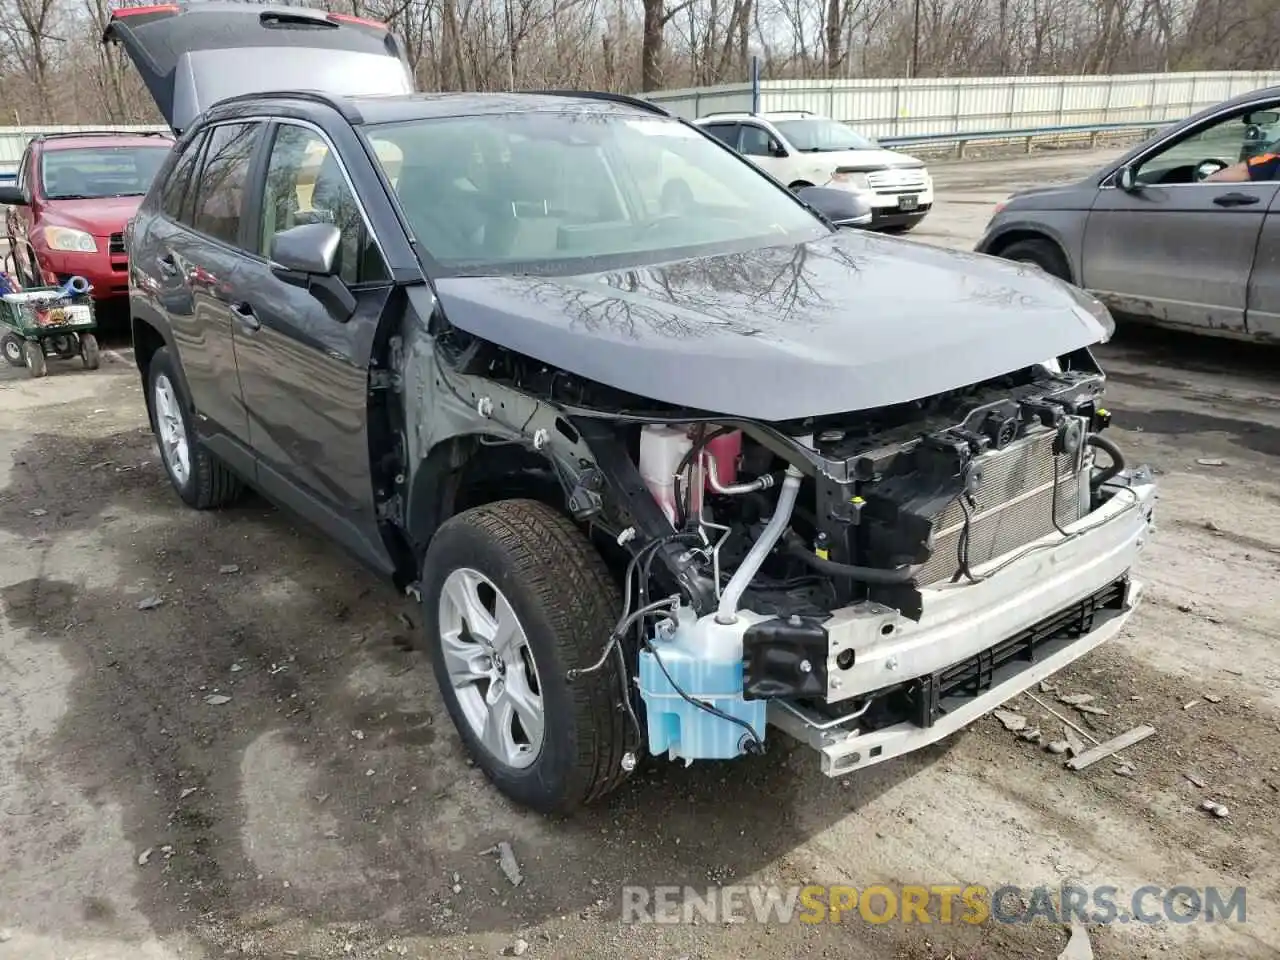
<point>962,139</point>
<point>1027,135</point>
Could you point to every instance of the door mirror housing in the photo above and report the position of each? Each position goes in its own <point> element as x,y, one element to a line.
<point>310,249</point>
<point>307,256</point>
<point>776,149</point>
<point>1127,179</point>
<point>11,196</point>
<point>841,207</point>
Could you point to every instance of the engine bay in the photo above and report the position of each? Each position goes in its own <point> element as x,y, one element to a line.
<point>741,543</point>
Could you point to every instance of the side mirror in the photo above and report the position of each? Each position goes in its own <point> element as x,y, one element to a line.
<point>11,196</point>
<point>307,256</point>
<point>1127,180</point>
<point>310,249</point>
<point>776,149</point>
<point>841,207</point>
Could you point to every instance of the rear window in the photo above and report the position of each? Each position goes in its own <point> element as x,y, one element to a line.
<point>94,172</point>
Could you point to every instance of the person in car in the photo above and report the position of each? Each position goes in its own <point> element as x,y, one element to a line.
<point>1263,167</point>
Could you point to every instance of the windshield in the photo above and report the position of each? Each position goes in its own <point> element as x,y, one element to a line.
<point>548,192</point>
<point>94,172</point>
<point>823,136</point>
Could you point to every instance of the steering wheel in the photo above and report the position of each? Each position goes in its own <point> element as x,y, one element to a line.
<point>1207,168</point>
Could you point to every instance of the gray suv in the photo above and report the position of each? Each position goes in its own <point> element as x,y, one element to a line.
<point>669,460</point>
<point>1155,242</point>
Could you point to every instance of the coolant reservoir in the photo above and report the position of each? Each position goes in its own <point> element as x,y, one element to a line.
<point>661,451</point>
<point>725,450</point>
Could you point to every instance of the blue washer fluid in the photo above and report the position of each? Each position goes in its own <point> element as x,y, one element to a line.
<point>677,727</point>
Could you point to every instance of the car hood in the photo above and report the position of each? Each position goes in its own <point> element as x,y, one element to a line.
<point>100,216</point>
<point>866,160</point>
<point>847,322</point>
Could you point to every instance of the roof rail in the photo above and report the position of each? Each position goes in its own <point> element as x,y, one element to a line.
<point>622,98</point>
<point>344,107</point>
<point>63,134</point>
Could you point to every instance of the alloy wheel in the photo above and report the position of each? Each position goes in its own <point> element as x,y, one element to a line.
<point>171,430</point>
<point>491,668</point>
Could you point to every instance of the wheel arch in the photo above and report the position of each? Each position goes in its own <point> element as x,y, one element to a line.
<point>149,335</point>
<point>998,243</point>
<point>470,470</point>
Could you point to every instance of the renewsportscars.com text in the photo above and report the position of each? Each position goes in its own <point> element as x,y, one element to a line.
<point>932,904</point>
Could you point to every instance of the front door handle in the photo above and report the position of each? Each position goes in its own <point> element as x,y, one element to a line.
<point>245,315</point>
<point>1235,199</point>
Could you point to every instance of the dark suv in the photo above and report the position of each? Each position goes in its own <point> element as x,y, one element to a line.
<point>667,457</point>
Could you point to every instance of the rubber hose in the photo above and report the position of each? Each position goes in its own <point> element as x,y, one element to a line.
<point>1117,459</point>
<point>874,575</point>
<point>750,566</point>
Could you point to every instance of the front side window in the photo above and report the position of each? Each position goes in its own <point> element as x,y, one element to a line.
<point>305,184</point>
<point>1224,143</point>
<point>545,192</point>
<point>219,191</point>
<point>820,135</point>
<point>81,173</point>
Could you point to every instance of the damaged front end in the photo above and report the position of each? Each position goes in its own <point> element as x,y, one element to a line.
<point>866,582</point>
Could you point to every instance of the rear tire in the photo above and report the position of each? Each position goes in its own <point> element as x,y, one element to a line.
<point>537,589</point>
<point>200,479</point>
<point>33,354</point>
<point>11,345</point>
<point>1042,253</point>
<point>89,351</point>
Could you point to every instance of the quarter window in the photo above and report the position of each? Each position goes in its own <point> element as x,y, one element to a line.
<point>219,194</point>
<point>176,186</point>
<point>305,184</point>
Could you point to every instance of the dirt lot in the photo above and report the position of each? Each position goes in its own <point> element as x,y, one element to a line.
<point>325,810</point>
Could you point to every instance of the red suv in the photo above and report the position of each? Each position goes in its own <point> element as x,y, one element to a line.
<point>67,212</point>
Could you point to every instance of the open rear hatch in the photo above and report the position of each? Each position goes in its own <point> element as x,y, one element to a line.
<point>192,56</point>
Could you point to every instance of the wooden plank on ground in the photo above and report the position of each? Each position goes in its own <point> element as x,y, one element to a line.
<point>1114,745</point>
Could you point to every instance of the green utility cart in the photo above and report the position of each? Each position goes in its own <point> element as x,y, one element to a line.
<point>47,322</point>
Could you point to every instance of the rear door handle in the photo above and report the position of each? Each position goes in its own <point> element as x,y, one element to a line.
<point>1235,200</point>
<point>245,315</point>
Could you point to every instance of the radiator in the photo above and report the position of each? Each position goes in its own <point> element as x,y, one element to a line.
<point>1012,506</point>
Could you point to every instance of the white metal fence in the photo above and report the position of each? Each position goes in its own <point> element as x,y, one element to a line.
<point>888,108</point>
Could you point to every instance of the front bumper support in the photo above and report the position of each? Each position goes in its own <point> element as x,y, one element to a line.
<point>977,644</point>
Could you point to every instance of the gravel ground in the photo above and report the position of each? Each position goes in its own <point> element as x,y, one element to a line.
<point>324,808</point>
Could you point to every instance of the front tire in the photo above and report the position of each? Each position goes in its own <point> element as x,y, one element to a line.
<point>200,479</point>
<point>514,597</point>
<point>33,354</point>
<point>1042,253</point>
